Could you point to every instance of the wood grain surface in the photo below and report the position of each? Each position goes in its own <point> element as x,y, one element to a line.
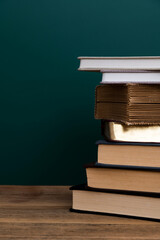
<point>42,212</point>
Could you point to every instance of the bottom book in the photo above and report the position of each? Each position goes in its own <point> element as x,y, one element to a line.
<point>125,203</point>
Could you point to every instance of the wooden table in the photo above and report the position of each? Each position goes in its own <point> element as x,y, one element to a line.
<point>42,212</point>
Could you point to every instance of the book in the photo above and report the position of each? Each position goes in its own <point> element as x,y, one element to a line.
<point>129,154</point>
<point>130,114</point>
<point>112,202</point>
<point>131,104</point>
<point>110,63</point>
<point>128,93</point>
<point>126,178</point>
<point>115,131</point>
<point>132,76</point>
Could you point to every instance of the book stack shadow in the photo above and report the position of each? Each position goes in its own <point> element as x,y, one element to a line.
<point>125,180</point>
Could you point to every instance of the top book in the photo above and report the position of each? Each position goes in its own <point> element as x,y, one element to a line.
<point>113,63</point>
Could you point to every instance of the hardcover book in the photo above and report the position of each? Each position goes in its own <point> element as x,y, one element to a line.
<point>101,63</point>
<point>113,202</point>
<point>132,76</point>
<point>126,178</point>
<point>129,154</point>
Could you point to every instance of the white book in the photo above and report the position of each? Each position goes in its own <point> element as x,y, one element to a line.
<point>120,77</point>
<point>114,131</point>
<point>99,63</point>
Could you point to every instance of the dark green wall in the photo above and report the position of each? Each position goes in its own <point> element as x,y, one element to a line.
<point>47,126</point>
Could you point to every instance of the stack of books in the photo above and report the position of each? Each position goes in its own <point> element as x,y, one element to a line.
<point>125,180</point>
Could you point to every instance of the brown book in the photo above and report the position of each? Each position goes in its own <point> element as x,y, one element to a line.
<point>131,104</point>
<point>129,154</point>
<point>124,178</point>
<point>113,202</point>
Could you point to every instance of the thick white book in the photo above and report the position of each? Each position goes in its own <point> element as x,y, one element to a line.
<point>99,63</point>
<point>130,76</point>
